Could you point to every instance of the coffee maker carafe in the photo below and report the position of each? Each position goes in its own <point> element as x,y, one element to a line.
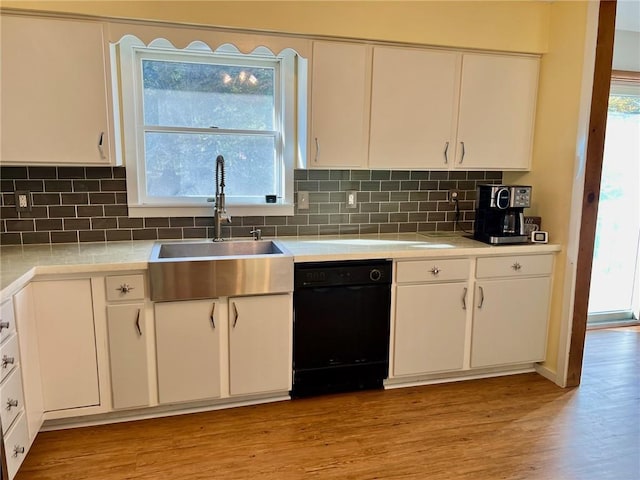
<point>500,213</point>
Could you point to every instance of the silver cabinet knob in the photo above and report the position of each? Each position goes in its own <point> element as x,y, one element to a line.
<point>7,361</point>
<point>124,288</point>
<point>11,403</point>
<point>516,266</point>
<point>4,325</point>
<point>435,271</point>
<point>17,450</point>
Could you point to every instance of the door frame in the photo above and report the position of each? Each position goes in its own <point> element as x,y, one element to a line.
<point>586,195</point>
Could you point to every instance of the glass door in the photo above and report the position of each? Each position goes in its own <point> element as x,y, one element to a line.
<point>614,279</point>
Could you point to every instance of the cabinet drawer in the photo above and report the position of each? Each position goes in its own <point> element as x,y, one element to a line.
<point>437,270</point>
<point>125,287</point>
<point>12,401</point>
<point>16,445</point>
<point>9,356</point>
<point>515,266</point>
<point>7,321</point>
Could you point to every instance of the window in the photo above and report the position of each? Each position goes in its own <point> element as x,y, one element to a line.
<point>183,108</point>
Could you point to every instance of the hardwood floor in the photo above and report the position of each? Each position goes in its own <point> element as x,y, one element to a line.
<point>515,427</point>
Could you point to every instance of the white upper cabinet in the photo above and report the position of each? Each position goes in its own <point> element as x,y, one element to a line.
<point>54,92</point>
<point>339,105</point>
<point>412,108</point>
<point>497,111</point>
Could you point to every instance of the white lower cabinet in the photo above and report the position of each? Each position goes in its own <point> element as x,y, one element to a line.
<point>127,332</point>
<point>260,344</point>
<point>16,445</point>
<point>510,321</point>
<point>511,310</point>
<point>430,316</point>
<point>66,343</point>
<point>188,350</point>
<point>430,328</point>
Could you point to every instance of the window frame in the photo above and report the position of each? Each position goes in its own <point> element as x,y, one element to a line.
<point>290,99</point>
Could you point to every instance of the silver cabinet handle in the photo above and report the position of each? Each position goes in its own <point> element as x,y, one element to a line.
<point>17,449</point>
<point>100,149</point>
<point>211,317</point>
<point>7,361</point>
<point>4,325</point>
<point>464,298</point>
<point>125,288</point>
<point>235,314</point>
<point>463,152</point>
<point>481,297</point>
<point>446,149</point>
<point>11,403</point>
<point>138,323</point>
<point>516,266</point>
<point>317,150</point>
<point>435,271</point>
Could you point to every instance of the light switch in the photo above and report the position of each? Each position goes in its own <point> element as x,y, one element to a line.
<point>303,200</point>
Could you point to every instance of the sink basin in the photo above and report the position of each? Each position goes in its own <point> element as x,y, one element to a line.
<point>218,249</point>
<point>198,270</point>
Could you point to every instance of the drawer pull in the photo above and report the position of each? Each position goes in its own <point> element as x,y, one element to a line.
<point>4,325</point>
<point>235,314</point>
<point>7,361</point>
<point>516,266</point>
<point>138,323</point>
<point>464,298</point>
<point>11,403</point>
<point>17,450</point>
<point>124,288</point>
<point>446,149</point>
<point>435,271</point>
<point>481,297</point>
<point>212,317</point>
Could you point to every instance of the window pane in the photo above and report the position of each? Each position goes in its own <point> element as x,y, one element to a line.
<point>183,165</point>
<point>202,95</point>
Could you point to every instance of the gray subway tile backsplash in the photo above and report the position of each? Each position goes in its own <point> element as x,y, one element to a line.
<point>89,204</point>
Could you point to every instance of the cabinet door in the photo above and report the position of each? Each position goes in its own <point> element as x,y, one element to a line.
<point>29,359</point>
<point>128,355</point>
<point>497,112</point>
<point>339,105</point>
<point>260,346</point>
<point>412,108</point>
<point>66,344</point>
<point>510,321</point>
<point>430,328</point>
<point>54,92</point>
<point>188,350</point>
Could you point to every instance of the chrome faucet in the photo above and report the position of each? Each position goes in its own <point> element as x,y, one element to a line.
<point>219,212</point>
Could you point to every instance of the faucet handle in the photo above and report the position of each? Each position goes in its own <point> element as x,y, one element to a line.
<point>257,233</point>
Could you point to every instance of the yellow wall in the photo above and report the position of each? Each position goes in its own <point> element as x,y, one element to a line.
<point>519,26</point>
<point>556,29</point>
<point>556,133</point>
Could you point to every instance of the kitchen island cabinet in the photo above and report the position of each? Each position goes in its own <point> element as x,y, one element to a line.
<point>55,95</point>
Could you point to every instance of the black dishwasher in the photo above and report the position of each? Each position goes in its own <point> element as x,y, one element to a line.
<point>341,326</point>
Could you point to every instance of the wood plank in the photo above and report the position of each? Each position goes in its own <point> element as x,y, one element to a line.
<point>591,194</point>
<point>515,427</point>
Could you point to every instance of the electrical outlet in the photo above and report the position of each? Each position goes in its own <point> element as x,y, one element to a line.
<point>23,201</point>
<point>453,195</point>
<point>352,199</point>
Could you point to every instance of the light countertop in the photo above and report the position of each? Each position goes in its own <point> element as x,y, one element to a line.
<point>20,263</point>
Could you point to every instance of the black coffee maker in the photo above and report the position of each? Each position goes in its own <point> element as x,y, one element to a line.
<point>500,213</point>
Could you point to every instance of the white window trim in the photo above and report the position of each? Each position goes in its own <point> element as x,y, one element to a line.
<point>293,93</point>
